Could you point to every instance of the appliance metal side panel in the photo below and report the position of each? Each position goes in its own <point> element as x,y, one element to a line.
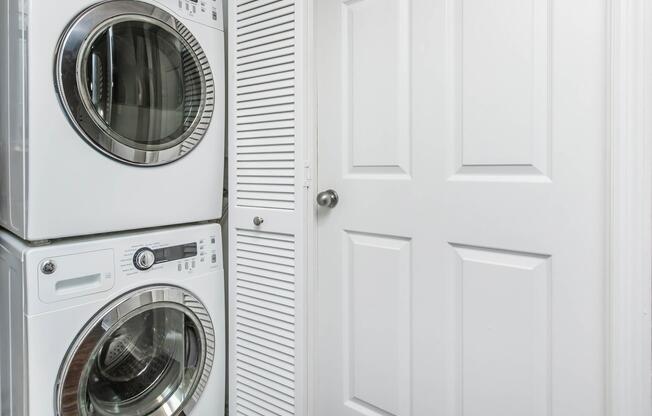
<point>13,127</point>
<point>13,360</point>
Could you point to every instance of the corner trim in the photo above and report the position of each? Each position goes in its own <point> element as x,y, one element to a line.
<point>629,366</point>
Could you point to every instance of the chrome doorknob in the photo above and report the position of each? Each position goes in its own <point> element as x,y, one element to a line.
<point>328,199</point>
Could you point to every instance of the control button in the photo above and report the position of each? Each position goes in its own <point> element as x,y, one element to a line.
<point>214,15</point>
<point>187,266</point>
<point>179,266</point>
<point>48,267</point>
<point>214,258</point>
<point>212,240</point>
<point>144,259</point>
<point>194,264</point>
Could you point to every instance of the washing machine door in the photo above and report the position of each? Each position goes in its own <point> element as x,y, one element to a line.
<point>148,353</point>
<point>134,82</point>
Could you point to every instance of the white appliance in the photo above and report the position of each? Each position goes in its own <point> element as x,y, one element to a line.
<point>112,115</point>
<point>129,324</point>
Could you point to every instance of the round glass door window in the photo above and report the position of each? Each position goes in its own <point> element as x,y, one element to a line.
<point>134,82</point>
<point>139,357</point>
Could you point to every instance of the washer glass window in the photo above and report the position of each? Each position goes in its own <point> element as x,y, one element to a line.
<point>134,82</point>
<point>146,354</point>
<point>139,364</point>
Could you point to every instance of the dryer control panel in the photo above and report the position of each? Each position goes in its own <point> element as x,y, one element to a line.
<point>207,12</point>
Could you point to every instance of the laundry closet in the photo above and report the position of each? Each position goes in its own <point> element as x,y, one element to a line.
<point>325,208</point>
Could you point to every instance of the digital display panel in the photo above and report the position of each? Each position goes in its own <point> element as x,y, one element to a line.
<point>175,252</point>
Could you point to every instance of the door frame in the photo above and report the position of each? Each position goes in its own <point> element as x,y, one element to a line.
<point>629,357</point>
<point>629,205</point>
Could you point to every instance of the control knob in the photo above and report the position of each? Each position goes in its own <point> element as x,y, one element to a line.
<point>144,259</point>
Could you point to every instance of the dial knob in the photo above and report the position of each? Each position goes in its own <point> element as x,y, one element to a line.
<point>144,259</point>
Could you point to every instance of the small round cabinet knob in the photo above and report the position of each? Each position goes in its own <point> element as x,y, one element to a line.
<point>144,259</point>
<point>258,221</point>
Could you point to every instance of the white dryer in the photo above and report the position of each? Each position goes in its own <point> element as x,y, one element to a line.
<point>112,115</point>
<point>124,325</point>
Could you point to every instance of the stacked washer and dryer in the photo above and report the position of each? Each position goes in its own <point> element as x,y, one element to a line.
<point>111,177</point>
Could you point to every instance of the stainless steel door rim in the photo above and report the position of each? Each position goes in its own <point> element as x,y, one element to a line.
<point>72,77</point>
<point>71,387</point>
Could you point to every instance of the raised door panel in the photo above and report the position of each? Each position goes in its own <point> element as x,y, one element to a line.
<point>502,62</point>
<point>376,82</point>
<point>504,324</point>
<point>377,285</point>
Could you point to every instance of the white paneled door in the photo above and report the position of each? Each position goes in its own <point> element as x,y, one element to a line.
<point>463,271</point>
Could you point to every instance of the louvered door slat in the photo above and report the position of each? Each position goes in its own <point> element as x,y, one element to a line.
<point>264,299</point>
<point>283,44</point>
<point>245,6</point>
<point>267,18</point>
<point>262,11</point>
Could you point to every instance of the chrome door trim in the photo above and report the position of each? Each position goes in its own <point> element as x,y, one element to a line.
<point>72,94</point>
<point>67,388</point>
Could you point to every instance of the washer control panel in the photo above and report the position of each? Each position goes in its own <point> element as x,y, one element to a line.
<point>208,12</point>
<point>72,272</point>
<point>173,258</point>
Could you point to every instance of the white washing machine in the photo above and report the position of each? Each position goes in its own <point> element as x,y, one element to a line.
<point>112,115</point>
<point>128,325</point>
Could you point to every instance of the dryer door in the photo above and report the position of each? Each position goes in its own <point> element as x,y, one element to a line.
<point>134,82</point>
<point>149,353</point>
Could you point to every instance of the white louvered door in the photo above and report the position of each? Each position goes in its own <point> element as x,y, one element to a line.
<point>265,181</point>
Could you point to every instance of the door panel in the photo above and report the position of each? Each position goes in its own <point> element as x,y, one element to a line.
<point>462,272</point>
<point>375,39</point>
<point>502,52</point>
<point>504,324</point>
<point>266,208</point>
<point>377,271</point>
